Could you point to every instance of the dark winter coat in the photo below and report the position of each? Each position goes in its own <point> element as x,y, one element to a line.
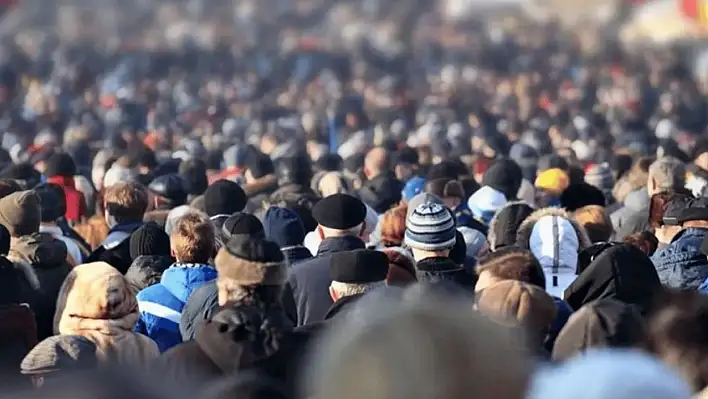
<point>292,195</point>
<point>158,216</point>
<point>200,307</point>
<point>382,192</point>
<point>147,270</point>
<point>47,257</point>
<point>437,269</point>
<point>306,294</point>
<point>115,249</point>
<point>259,192</point>
<point>296,254</point>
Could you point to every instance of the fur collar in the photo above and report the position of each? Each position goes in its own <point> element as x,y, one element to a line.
<point>524,234</point>
<point>492,232</point>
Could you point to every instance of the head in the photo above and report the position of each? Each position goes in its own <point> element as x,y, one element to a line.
<point>20,213</point>
<point>356,272</point>
<point>333,183</point>
<point>644,240</point>
<point>430,231</point>
<point>296,169</point>
<point>550,184</point>
<point>224,197</point>
<point>192,239</point>
<point>57,357</point>
<point>450,190</point>
<point>377,162</point>
<point>596,222</point>
<point>405,163</point>
<point>393,227</point>
<point>284,227</point>
<point>258,166</point>
<point>509,263</point>
<point>666,174</point>
<point>125,203</point>
<point>340,215</point>
<point>52,202</point>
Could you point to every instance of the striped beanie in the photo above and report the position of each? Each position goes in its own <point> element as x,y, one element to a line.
<point>430,227</point>
<point>600,176</point>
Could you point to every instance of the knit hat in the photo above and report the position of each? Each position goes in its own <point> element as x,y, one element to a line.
<point>64,353</point>
<point>224,197</point>
<point>20,212</point>
<point>420,199</point>
<point>60,164</point>
<point>485,203</point>
<point>244,224</point>
<point>413,187</point>
<point>283,227</point>
<point>555,181</point>
<point>519,303</point>
<point>149,239</point>
<point>52,202</point>
<point>600,176</point>
<point>580,195</point>
<point>504,176</point>
<point>430,227</point>
<point>248,260</point>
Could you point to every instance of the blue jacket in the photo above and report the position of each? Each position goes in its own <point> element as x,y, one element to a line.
<point>161,304</point>
<point>682,265</point>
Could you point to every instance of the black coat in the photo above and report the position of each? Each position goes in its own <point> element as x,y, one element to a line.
<point>200,306</point>
<point>382,192</point>
<point>115,249</point>
<point>296,254</point>
<point>434,270</point>
<point>306,294</point>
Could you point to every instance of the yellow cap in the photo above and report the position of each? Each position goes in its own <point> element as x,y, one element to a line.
<point>555,181</point>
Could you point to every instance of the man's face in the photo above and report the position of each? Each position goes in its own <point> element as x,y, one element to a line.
<point>543,198</point>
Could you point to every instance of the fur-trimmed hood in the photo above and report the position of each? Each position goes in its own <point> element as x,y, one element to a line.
<point>524,234</point>
<point>504,225</point>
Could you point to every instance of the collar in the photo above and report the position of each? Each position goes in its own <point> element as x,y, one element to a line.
<point>340,244</point>
<point>191,265</point>
<point>438,265</point>
<point>293,248</point>
<point>64,181</point>
<point>689,231</point>
<point>53,230</point>
<point>126,227</point>
<point>343,304</point>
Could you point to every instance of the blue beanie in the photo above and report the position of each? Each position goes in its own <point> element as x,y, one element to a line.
<point>283,227</point>
<point>413,187</point>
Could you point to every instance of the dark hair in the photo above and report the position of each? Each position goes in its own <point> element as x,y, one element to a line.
<point>645,240</point>
<point>513,263</point>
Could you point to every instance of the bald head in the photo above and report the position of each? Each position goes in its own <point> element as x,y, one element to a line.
<point>377,161</point>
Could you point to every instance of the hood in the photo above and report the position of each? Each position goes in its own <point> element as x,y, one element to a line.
<point>381,193</point>
<point>265,184</point>
<point>622,272</point>
<point>236,337</point>
<point>523,235</point>
<point>181,279</point>
<point>604,323</point>
<point>485,203</point>
<point>146,270</point>
<point>637,200</point>
<point>505,224</point>
<point>40,250</point>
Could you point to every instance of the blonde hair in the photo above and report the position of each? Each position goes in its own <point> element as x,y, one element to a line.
<point>192,239</point>
<point>126,202</point>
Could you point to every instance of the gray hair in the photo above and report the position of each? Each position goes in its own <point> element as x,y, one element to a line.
<point>348,289</point>
<point>668,173</point>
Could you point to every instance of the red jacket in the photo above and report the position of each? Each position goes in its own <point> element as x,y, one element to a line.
<point>75,203</point>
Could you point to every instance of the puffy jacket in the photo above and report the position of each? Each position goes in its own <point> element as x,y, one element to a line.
<point>161,305</point>
<point>75,202</point>
<point>682,265</point>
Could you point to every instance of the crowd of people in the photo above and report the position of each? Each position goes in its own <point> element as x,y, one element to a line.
<point>518,215</point>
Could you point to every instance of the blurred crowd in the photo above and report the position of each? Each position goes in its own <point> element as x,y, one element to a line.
<point>414,207</point>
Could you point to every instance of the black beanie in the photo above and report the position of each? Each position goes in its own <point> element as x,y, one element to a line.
<point>580,195</point>
<point>505,176</point>
<point>224,197</point>
<point>52,202</point>
<point>60,164</point>
<point>193,172</point>
<point>243,223</point>
<point>151,240</point>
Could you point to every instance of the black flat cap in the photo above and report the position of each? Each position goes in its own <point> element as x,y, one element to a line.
<point>360,266</point>
<point>243,223</point>
<point>697,209</point>
<point>339,211</point>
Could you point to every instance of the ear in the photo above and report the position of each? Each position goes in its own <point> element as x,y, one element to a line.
<point>320,233</point>
<point>363,229</point>
<point>333,294</point>
<point>172,253</point>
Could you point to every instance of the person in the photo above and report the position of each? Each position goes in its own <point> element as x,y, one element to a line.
<point>294,174</point>
<point>393,227</point>
<point>681,264</point>
<point>29,249</point>
<point>260,180</point>
<point>192,244</point>
<point>518,304</point>
<point>505,223</point>
<point>600,176</point>
<point>549,185</point>
<point>555,239</point>
<point>330,183</point>
<point>341,223</point>
<point>58,358</point>
<point>224,198</point>
<point>604,323</point>
<point>509,263</point>
<point>60,171</point>
<point>285,228</point>
<point>646,241</point>
<point>52,205</point>
<point>453,195</point>
<point>401,267</point>
<point>451,344</point>
<point>194,175</point>
<point>248,331</point>
<point>168,192</point>
<point>580,195</point>
<point>414,186</point>
<point>431,235</point>
<point>249,385</point>
<point>676,335</point>
<point>669,206</point>
<point>609,374</point>
<point>500,185</point>
<point>125,206</point>
<point>381,190</point>
<point>622,272</point>
<point>406,164</point>
<point>596,223</point>
<point>82,309</point>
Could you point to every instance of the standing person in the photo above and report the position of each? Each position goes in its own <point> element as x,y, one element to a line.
<point>192,244</point>
<point>381,190</point>
<point>125,205</point>
<point>340,219</point>
<point>20,213</point>
<point>294,175</point>
<point>53,206</point>
<point>168,192</point>
<point>285,228</point>
<point>61,170</point>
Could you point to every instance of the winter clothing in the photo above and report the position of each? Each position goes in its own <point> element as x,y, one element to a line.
<point>682,265</point>
<point>413,187</point>
<point>60,354</point>
<point>555,239</point>
<point>283,227</point>
<point>115,249</point>
<point>339,211</point>
<point>440,270</point>
<point>420,199</point>
<point>504,176</point>
<point>401,267</point>
<point>579,195</point>
<point>96,303</point>
<point>622,272</point>
<point>224,197</point>
<point>554,181</point>
<point>19,335</point>
<point>505,223</point>
<point>147,270</point>
<point>360,266</point>
<point>633,216</point>
<point>259,192</point>
<point>609,374</point>
<point>382,192</point>
<point>430,227</point>
<point>485,203</point>
<point>74,254</point>
<point>306,298</point>
<point>200,307</point>
<point>474,241</point>
<point>602,323</point>
<point>149,240</point>
<point>161,304</point>
<point>61,170</point>
<point>47,256</point>
<point>292,195</point>
<point>248,260</point>
<point>601,177</point>
<point>20,213</point>
<point>94,231</point>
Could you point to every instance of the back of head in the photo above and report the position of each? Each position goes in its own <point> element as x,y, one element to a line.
<point>60,354</point>
<point>595,221</point>
<point>60,164</point>
<point>52,202</point>
<point>504,175</point>
<point>224,197</point>
<point>678,334</point>
<point>192,239</point>
<point>667,174</point>
<point>20,213</point>
<point>511,263</point>
<point>149,240</point>
<point>284,227</point>
<point>377,161</point>
<point>194,174</point>
<point>246,386</point>
<point>126,202</point>
<point>146,270</point>
<point>296,169</point>
<point>421,349</point>
<point>393,227</point>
